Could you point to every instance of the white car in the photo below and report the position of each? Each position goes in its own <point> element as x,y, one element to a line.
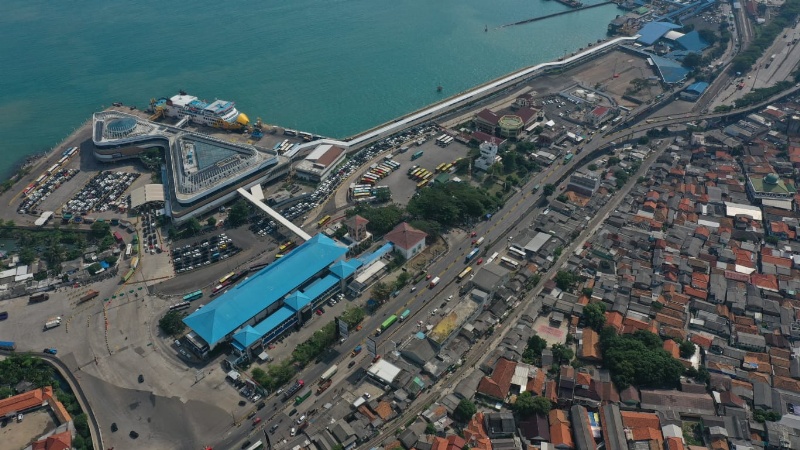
<point>301,419</point>
<point>366,395</point>
<point>450,298</point>
<point>294,431</point>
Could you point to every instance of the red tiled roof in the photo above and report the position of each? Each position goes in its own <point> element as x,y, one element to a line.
<point>499,383</point>
<point>600,111</point>
<point>59,441</point>
<point>764,281</point>
<point>475,434</point>
<point>590,348</point>
<point>560,429</point>
<point>536,384</point>
<point>702,341</point>
<point>674,443</point>
<point>642,424</point>
<point>405,236</point>
<point>25,401</point>
<point>488,116</point>
<point>672,348</point>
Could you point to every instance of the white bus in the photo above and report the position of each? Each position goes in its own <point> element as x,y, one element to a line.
<point>509,262</point>
<point>516,252</point>
<point>492,258</point>
<point>128,250</point>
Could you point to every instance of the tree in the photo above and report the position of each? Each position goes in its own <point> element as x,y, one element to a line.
<point>465,410</point>
<point>592,167</point>
<point>533,352</point>
<point>774,240</point>
<point>595,315</point>
<point>692,60</point>
<point>239,213</point>
<point>430,429</point>
<point>100,229</point>
<point>566,280</point>
<point>708,35</point>
<point>548,189</point>
<point>687,349</point>
<point>562,354</point>
<point>171,324</point>
<point>212,221</point>
<point>192,227</point>
<point>381,220</point>
<point>639,359</point>
<point>402,279</point>
<point>381,291</point>
<point>528,405</point>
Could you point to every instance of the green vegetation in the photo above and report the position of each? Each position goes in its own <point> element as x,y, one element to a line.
<point>212,221</point>
<point>638,359</point>
<point>785,17</point>
<point>451,204</point>
<point>533,353</point>
<point>566,281</point>
<point>239,213</point>
<point>278,374</point>
<point>381,291</point>
<point>692,433</point>
<point>756,96</point>
<point>594,314</point>
<point>381,220</point>
<point>561,354</point>
<point>687,349</point>
<point>548,190</point>
<point>762,416</point>
<point>527,405</point>
<point>18,368</point>
<point>191,228</point>
<point>430,429</point>
<point>172,323</point>
<point>465,410</point>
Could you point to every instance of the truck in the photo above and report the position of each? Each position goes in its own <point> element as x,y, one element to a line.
<point>324,385</point>
<point>328,374</point>
<point>88,296</point>
<point>8,346</point>
<point>40,297</point>
<point>52,323</point>
<point>302,396</point>
<point>293,390</point>
<point>355,351</point>
<point>478,241</point>
<point>434,282</point>
<point>405,315</point>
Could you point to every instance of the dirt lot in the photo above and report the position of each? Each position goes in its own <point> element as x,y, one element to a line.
<point>20,434</point>
<point>626,67</point>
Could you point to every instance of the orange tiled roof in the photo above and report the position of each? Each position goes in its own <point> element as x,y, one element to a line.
<point>25,401</point>
<point>697,293</point>
<point>499,383</point>
<point>764,281</point>
<point>702,341</point>
<point>591,345</point>
<point>672,348</point>
<point>475,434</point>
<point>59,441</point>
<point>536,384</point>
<point>560,429</point>
<point>614,319</point>
<point>551,390</point>
<point>635,419</point>
<point>669,320</point>
<point>674,443</point>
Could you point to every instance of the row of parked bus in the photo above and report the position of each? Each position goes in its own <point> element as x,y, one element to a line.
<point>444,167</point>
<point>65,157</point>
<point>379,171</point>
<point>444,140</point>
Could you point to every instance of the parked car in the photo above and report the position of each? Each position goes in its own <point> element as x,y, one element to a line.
<point>50,351</point>
<point>256,421</point>
<point>3,315</point>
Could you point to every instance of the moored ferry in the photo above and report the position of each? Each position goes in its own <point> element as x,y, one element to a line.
<point>219,113</point>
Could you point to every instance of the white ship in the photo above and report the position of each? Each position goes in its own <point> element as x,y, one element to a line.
<point>219,113</point>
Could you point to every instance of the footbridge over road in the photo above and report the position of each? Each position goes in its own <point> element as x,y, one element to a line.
<point>274,214</point>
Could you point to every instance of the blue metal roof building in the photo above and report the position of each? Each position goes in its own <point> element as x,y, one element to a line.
<point>692,42</point>
<point>670,71</point>
<point>654,31</point>
<point>694,91</point>
<point>259,300</point>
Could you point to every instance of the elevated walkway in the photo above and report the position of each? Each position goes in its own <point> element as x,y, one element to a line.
<point>274,214</point>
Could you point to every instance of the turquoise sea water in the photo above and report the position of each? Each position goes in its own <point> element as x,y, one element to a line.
<point>333,67</point>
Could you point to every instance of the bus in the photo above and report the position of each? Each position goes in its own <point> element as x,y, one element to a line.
<point>226,277</point>
<point>440,167</point>
<point>464,273</point>
<point>302,396</point>
<point>257,445</point>
<point>427,176</point>
<point>220,287</point>
<point>323,221</point>
<point>417,155</point>
<point>388,322</point>
<point>447,167</point>
<point>509,262</point>
<point>368,181</point>
<point>405,315</point>
<point>422,184</point>
<point>193,296</point>
<point>568,158</point>
<point>471,254</point>
<point>127,275</point>
<point>278,255</point>
<point>516,252</point>
<point>128,250</point>
<point>180,306</point>
<point>492,258</point>
<point>286,246</point>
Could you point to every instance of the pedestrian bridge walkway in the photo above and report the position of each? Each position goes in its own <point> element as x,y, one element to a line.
<point>274,214</point>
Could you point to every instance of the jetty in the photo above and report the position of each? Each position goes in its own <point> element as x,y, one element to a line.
<point>560,13</point>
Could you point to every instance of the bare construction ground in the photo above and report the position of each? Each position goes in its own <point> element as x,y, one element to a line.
<point>615,72</point>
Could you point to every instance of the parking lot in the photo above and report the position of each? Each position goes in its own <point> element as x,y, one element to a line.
<point>202,253</point>
<point>104,192</point>
<point>43,191</point>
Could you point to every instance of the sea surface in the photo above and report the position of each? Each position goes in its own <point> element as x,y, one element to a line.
<point>332,67</point>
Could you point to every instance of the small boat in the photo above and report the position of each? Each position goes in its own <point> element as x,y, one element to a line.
<point>438,89</point>
<point>485,28</point>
